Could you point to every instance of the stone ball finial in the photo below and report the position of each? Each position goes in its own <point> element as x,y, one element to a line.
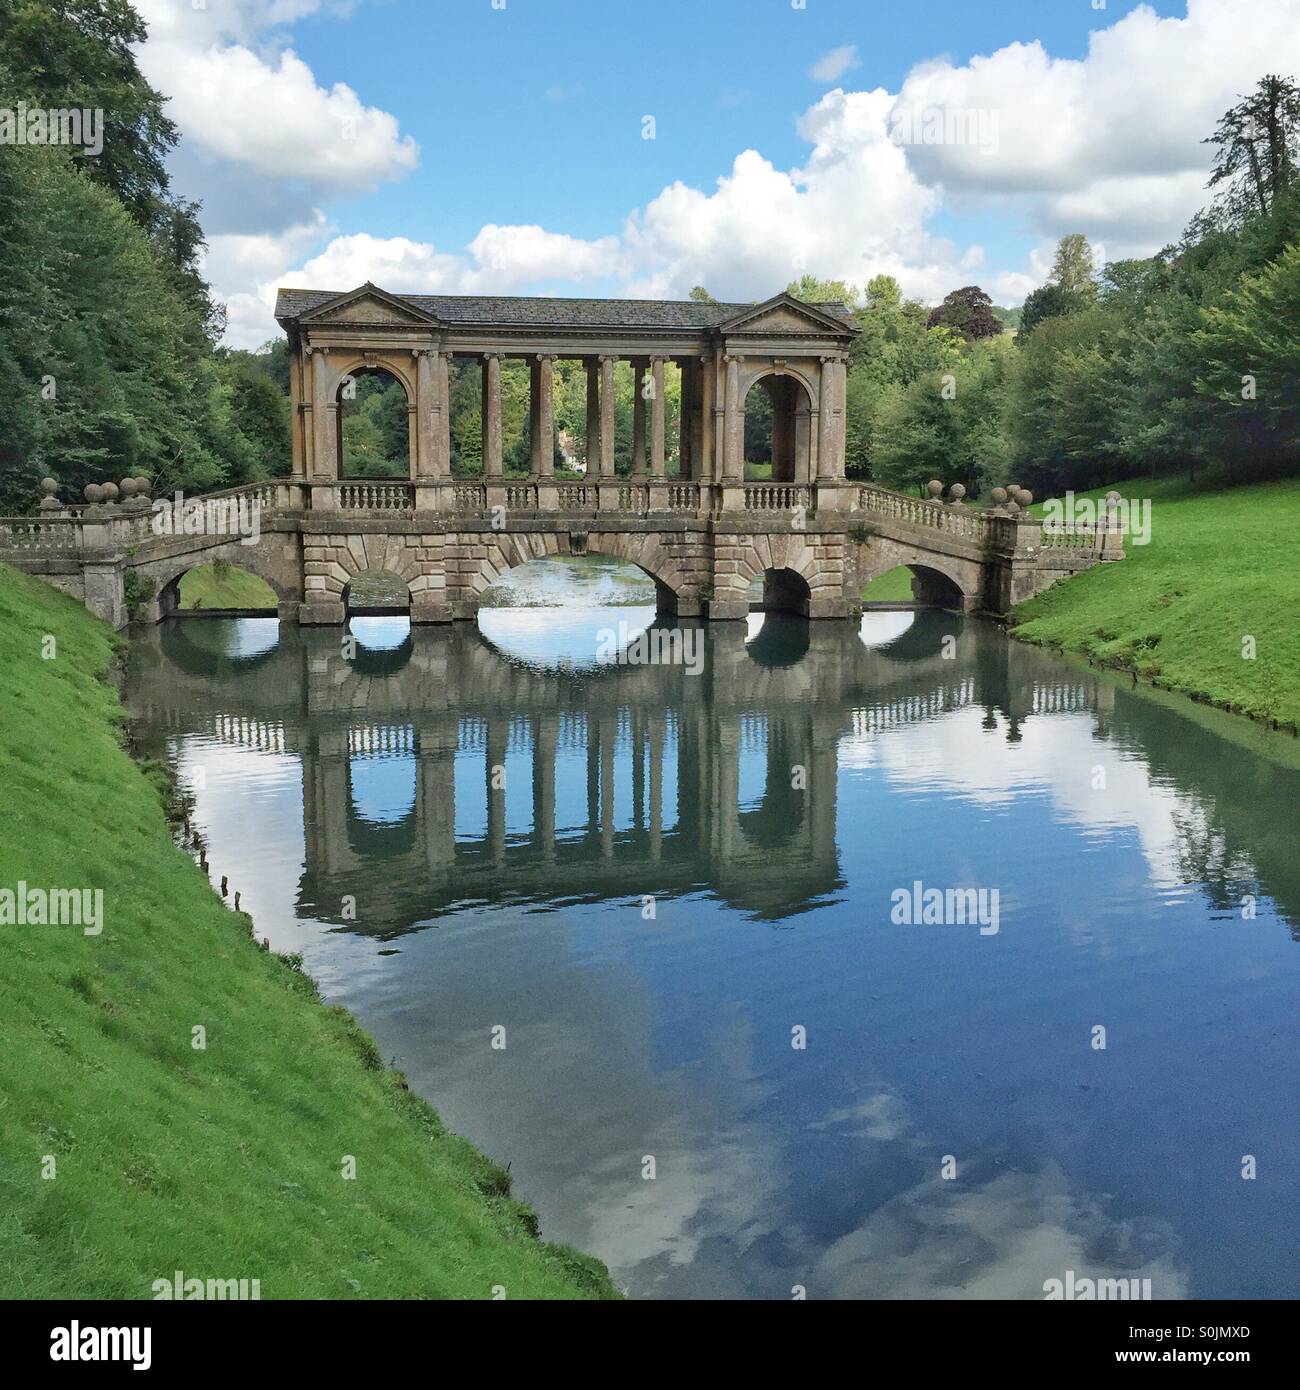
<point>934,487</point>
<point>127,487</point>
<point>956,492</point>
<point>1024,496</point>
<point>143,486</point>
<point>1013,506</point>
<point>998,497</point>
<point>49,487</point>
<point>111,492</point>
<point>1113,499</point>
<point>93,493</point>
<point>50,504</point>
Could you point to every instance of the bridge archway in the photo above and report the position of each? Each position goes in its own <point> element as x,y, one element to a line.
<point>374,420</point>
<point>644,550</point>
<point>786,591</point>
<point>778,411</point>
<point>242,563</point>
<point>916,583</point>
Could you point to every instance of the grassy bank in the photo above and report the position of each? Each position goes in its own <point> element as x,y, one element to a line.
<point>1221,567</point>
<point>224,586</point>
<point>224,1162</point>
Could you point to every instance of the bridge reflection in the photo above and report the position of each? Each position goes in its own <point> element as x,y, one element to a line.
<point>443,772</point>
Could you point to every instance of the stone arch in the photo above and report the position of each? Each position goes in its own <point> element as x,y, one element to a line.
<point>942,581</point>
<point>260,560</point>
<point>369,363</point>
<point>643,549</point>
<point>794,417</point>
<point>816,560</point>
<point>333,561</point>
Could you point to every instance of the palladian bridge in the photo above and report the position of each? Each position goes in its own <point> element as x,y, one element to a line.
<point>810,536</point>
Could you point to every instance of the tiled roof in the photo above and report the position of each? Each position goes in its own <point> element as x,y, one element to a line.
<point>528,312</point>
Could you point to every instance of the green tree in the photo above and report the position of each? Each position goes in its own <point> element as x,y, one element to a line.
<point>1255,147</point>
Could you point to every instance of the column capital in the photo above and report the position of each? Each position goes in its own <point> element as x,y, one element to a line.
<point>609,358</point>
<point>314,348</point>
<point>424,352</point>
<point>832,357</point>
<point>492,356</point>
<point>547,356</point>
<point>730,357</point>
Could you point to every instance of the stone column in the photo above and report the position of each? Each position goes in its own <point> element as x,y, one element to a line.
<point>301,411</point>
<point>704,449</point>
<point>593,419</point>
<point>607,416</point>
<point>492,415</point>
<point>640,367</point>
<point>826,422</point>
<point>325,460</point>
<point>425,393</point>
<point>733,424</point>
<point>442,421</point>
<point>542,402</point>
<point>686,420</point>
<point>657,417</point>
<point>608,496</point>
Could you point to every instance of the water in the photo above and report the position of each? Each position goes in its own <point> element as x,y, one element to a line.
<point>650,910</point>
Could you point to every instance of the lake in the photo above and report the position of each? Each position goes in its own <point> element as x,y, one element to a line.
<point>663,934</point>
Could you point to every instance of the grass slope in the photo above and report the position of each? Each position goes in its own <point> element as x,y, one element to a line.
<point>224,586</point>
<point>222,1163</point>
<point>1221,566</point>
<point>894,586</point>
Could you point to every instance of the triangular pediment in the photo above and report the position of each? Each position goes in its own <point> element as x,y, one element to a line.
<point>785,314</point>
<point>370,305</point>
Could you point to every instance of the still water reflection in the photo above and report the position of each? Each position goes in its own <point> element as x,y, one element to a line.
<point>767,809</point>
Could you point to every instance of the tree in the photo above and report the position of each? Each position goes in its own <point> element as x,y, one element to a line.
<point>701,296</point>
<point>969,312</point>
<point>814,291</point>
<point>1073,268</point>
<point>1255,147</point>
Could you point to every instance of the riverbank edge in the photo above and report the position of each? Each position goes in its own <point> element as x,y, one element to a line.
<point>1120,670</point>
<point>585,1276</point>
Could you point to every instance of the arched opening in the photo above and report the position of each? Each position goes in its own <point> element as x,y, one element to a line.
<point>785,591</point>
<point>908,585</point>
<point>218,587</point>
<point>574,612</point>
<point>376,594</point>
<point>778,430</point>
<point>374,425</point>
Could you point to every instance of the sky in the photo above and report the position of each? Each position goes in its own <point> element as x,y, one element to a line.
<point>635,149</point>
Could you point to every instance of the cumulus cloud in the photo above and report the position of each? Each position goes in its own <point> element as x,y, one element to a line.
<point>1095,144</point>
<point>830,67</point>
<point>1110,143</point>
<point>265,109</point>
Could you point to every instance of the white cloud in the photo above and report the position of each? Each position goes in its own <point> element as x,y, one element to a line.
<point>265,110</point>
<point>1092,144</point>
<point>1109,144</point>
<point>830,67</point>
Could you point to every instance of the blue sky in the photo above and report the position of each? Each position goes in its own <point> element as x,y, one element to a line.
<point>501,149</point>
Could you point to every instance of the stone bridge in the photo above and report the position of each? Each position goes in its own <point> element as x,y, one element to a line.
<point>700,530</point>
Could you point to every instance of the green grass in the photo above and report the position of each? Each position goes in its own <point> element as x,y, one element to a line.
<point>1221,567</point>
<point>224,586</point>
<point>894,586</point>
<point>225,1162</point>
